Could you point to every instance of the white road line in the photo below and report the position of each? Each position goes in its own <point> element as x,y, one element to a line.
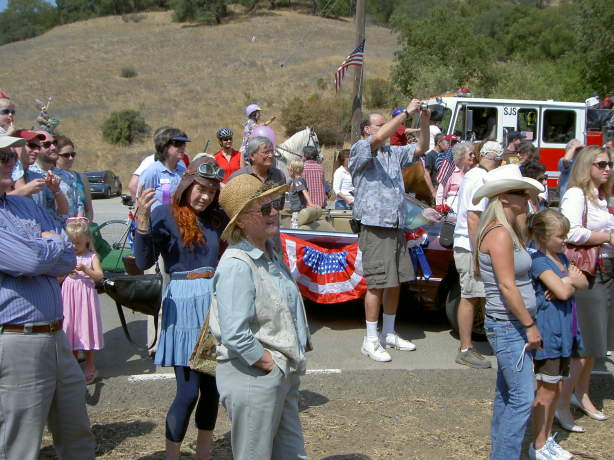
<point>165,376</point>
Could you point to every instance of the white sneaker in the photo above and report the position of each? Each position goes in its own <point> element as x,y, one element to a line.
<point>374,350</point>
<point>558,451</point>
<point>392,340</point>
<point>542,454</point>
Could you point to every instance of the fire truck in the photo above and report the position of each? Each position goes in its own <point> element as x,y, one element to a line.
<point>549,124</point>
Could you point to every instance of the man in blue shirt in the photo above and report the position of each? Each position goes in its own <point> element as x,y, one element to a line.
<point>40,380</point>
<point>566,162</point>
<point>378,195</point>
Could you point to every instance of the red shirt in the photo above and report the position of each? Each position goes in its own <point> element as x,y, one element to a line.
<point>399,137</point>
<point>229,166</point>
<point>314,176</point>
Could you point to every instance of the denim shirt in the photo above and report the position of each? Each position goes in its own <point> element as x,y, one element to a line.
<point>378,182</point>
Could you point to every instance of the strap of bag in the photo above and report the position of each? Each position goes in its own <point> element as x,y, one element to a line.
<point>122,319</point>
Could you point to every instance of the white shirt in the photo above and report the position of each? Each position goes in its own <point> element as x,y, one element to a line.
<point>146,163</point>
<point>472,181</point>
<point>434,130</point>
<point>598,218</point>
<point>342,182</point>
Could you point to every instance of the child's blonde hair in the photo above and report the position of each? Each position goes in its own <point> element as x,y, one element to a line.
<point>296,167</point>
<point>547,223</point>
<point>79,226</point>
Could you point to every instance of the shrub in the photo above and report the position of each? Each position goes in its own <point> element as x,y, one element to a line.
<point>329,117</point>
<point>124,127</point>
<point>203,11</point>
<point>133,17</point>
<point>128,72</point>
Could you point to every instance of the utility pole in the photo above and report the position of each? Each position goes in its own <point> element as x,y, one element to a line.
<point>358,71</point>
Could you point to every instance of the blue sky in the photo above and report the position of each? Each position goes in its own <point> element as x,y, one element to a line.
<point>4,2</point>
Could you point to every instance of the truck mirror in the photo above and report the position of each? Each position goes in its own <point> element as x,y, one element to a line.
<point>468,121</point>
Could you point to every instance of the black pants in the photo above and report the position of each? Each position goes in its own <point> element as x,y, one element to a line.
<point>189,384</point>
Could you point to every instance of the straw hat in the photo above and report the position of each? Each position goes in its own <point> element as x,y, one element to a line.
<point>239,193</point>
<point>505,179</point>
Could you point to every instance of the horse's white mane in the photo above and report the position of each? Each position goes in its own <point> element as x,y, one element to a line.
<point>292,148</point>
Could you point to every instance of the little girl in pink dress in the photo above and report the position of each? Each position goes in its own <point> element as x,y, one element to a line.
<point>82,322</point>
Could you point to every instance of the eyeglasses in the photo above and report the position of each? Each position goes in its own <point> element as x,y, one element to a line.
<point>211,171</point>
<point>224,139</point>
<point>267,152</point>
<point>48,144</point>
<point>517,192</point>
<point>176,144</point>
<point>68,154</point>
<point>33,146</point>
<point>7,156</point>
<point>604,164</point>
<point>7,112</point>
<point>277,204</point>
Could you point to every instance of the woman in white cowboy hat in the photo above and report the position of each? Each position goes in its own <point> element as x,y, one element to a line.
<point>258,318</point>
<point>504,265</point>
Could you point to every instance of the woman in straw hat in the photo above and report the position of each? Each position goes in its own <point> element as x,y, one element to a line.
<point>187,235</point>
<point>504,265</point>
<point>258,318</point>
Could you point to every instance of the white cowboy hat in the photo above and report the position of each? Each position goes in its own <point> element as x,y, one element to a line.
<point>505,179</point>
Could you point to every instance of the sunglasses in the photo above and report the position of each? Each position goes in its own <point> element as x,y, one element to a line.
<point>69,154</point>
<point>517,192</point>
<point>277,204</point>
<point>603,164</point>
<point>176,144</point>
<point>211,171</point>
<point>48,144</point>
<point>7,112</point>
<point>224,139</point>
<point>7,157</point>
<point>33,146</point>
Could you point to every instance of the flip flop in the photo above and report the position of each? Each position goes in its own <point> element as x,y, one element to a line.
<point>91,378</point>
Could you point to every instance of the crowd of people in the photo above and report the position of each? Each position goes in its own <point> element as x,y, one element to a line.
<point>210,224</point>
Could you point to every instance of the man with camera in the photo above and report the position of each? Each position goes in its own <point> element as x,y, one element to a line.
<point>378,180</point>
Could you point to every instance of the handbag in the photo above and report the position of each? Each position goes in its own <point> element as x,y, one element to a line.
<point>446,233</point>
<point>140,293</point>
<point>584,257</point>
<point>203,356</point>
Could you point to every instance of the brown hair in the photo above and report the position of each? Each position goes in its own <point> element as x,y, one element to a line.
<point>341,156</point>
<point>545,223</point>
<point>63,141</point>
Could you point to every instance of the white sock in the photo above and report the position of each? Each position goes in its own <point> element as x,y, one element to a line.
<point>463,350</point>
<point>388,324</point>
<point>371,329</point>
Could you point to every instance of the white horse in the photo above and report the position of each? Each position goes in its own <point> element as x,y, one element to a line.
<point>292,148</point>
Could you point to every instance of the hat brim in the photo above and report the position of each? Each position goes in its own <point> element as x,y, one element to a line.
<point>231,224</point>
<point>494,188</point>
<point>180,138</point>
<point>9,141</point>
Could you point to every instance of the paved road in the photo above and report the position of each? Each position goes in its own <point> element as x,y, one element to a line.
<point>337,333</point>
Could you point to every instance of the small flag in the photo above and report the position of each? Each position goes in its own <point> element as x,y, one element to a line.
<point>356,58</point>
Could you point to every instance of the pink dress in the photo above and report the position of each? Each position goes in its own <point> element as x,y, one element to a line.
<point>82,322</point>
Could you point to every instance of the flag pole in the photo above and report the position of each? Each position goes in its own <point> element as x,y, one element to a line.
<point>358,71</point>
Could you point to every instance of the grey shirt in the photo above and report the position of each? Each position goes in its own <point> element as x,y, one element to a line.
<point>378,182</point>
<point>495,303</point>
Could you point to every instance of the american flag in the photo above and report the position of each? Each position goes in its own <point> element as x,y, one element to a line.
<point>355,58</point>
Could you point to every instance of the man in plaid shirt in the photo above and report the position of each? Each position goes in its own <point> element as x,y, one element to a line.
<point>314,176</point>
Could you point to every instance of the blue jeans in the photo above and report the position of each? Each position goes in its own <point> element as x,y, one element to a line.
<point>515,388</point>
<point>341,204</point>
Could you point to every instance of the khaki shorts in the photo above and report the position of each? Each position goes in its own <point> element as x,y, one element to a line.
<point>471,287</point>
<point>385,257</point>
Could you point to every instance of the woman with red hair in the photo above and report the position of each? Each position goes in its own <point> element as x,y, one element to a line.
<point>186,233</point>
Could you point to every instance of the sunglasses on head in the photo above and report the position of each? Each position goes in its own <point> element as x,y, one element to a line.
<point>603,164</point>
<point>277,203</point>
<point>211,171</point>
<point>176,143</point>
<point>7,156</point>
<point>68,154</point>
<point>7,112</point>
<point>48,144</point>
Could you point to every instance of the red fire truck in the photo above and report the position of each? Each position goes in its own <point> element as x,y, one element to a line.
<point>549,124</point>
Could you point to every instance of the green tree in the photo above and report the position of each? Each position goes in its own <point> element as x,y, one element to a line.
<point>124,127</point>
<point>24,19</point>
<point>204,11</point>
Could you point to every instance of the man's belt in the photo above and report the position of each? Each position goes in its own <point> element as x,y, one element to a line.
<point>192,275</point>
<point>53,326</point>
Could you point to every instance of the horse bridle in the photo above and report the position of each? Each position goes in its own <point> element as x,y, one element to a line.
<point>312,137</point>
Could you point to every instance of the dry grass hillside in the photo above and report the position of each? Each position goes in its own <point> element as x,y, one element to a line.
<point>198,78</point>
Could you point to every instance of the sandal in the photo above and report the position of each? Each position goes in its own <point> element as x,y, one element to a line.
<point>91,377</point>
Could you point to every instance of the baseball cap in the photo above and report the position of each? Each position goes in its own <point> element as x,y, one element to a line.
<point>45,134</point>
<point>28,135</point>
<point>8,141</point>
<point>452,138</point>
<point>181,139</point>
<point>492,147</point>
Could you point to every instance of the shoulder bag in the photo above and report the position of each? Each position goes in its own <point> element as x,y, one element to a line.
<point>203,357</point>
<point>584,257</point>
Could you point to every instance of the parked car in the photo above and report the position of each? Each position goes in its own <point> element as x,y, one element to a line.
<point>104,183</point>
<point>441,291</point>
